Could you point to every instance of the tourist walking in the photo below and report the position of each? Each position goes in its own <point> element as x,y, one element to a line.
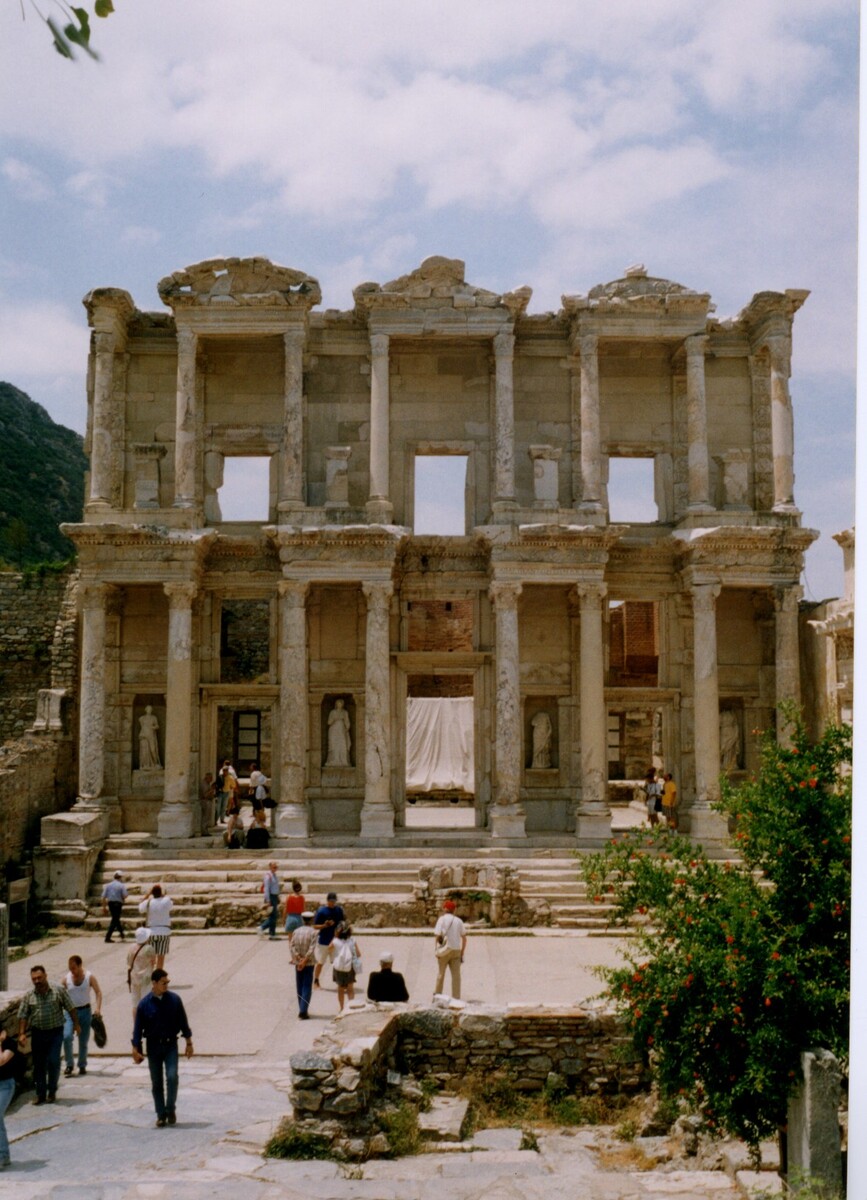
<point>387,985</point>
<point>79,984</point>
<point>140,965</point>
<point>346,964</point>
<point>652,796</point>
<point>10,1060</point>
<point>113,895</point>
<point>294,908</point>
<point>271,895</point>
<point>302,945</point>
<point>160,1020</point>
<point>227,786</point>
<point>157,910</point>
<point>451,943</point>
<point>41,1010</point>
<point>669,801</point>
<point>328,916</point>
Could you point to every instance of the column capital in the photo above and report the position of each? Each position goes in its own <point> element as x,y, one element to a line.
<point>293,592</point>
<point>379,344</point>
<point>295,338</point>
<point>187,340</point>
<point>93,595</point>
<point>504,343</point>
<point>591,593</point>
<point>695,345</point>
<point>377,591</point>
<point>181,595</point>
<point>504,595</point>
<point>704,596</point>
<point>587,343</point>
<point>787,598</point>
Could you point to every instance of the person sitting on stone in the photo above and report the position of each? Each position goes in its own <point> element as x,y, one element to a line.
<point>258,837</point>
<point>385,984</point>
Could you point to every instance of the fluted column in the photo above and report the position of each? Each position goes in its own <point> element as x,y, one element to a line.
<point>591,462</point>
<point>291,817</point>
<point>593,818</point>
<point>185,421</point>
<point>91,737</point>
<point>507,815</point>
<point>179,817</point>
<point>705,823</point>
<point>696,425</point>
<point>504,419</point>
<point>377,813</point>
<point>782,422</point>
<point>787,658</point>
<point>292,446</point>
<point>105,344</point>
<point>379,506</point>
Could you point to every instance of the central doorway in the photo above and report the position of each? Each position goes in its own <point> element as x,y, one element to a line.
<point>440,752</point>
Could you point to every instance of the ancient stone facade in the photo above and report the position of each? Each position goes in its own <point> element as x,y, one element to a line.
<point>668,638</point>
<point>828,649</point>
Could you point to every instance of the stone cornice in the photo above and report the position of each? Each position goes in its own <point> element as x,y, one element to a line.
<point>239,282</point>
<point>438,283</point>
<point>108,534</point>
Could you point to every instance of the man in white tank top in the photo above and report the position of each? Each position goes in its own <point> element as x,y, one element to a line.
<point>79,984</point>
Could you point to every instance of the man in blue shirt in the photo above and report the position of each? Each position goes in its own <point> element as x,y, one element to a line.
<point>328,917</point>
<point>113,895</point>
<point>159,1020</point>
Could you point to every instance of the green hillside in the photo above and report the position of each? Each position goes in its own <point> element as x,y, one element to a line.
<point>42,468</point>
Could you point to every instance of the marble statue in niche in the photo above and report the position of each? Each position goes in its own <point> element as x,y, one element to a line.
<point>148,741</point>
<point>543,738</point>
<point>729,740</point>
<point>339,737</point>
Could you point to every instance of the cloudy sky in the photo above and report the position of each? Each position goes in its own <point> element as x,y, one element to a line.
<point>550,144</point>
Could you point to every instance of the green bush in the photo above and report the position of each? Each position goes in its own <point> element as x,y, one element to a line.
<point>400,1126</point>
<point>744,965</point>
<point>288,1141</point>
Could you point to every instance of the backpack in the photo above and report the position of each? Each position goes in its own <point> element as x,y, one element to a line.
<point>343,957</point>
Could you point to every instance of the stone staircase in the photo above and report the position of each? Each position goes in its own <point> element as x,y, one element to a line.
<point>213,887</point>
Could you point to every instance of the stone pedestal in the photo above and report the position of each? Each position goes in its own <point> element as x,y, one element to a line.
<point>707,826</point>
<point>592,829</point>
<point>291,821</point>
<point>507,821</point>
<point>377,822</point>
<point>176,821</point>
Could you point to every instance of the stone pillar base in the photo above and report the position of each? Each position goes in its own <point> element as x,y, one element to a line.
<point>593,829</point>
<point>708,827</point>
<point>175,821</point>
<point>377,822</point>
<point>379,512</point>
<point>291,821</point>
<point>508,820</point>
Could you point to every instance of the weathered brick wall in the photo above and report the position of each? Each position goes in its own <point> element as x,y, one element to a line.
<point>37,778</point>
<point>37,625</point>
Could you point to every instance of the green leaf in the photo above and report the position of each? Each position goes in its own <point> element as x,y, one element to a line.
<point>60,43</point>
<point>81,36</point>
<point>103,7</point>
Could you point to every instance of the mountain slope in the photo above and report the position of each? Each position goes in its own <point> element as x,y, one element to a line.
<point>42,468</point>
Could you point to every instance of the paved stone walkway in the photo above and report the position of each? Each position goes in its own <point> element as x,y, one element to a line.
<point>98,1142</point>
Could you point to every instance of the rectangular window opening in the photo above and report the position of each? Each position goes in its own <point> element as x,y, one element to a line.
<point>440,494</point>
<point>245,493</point>
<point>633,643</point>
<point>631,490</point>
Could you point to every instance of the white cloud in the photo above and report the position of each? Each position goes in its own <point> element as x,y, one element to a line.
<point>28,181</point>
<point>93,187</point>
<point>41,339</point>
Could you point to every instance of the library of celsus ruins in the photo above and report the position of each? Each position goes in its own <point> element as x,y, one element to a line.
<point>561,650</point>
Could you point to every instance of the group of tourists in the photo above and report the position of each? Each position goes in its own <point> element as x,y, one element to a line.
<point>221,805</point>
<point>660,793</point>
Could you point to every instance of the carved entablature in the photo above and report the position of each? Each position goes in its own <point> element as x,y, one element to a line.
<point>747,556</point>
<point>247,282</point>
<point>439,282</point>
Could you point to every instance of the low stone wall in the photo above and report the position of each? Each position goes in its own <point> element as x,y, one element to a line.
<point>336,1084</point>
<point>483,891</point>
<point>36,779</point>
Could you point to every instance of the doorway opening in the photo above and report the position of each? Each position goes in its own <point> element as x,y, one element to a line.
<point>440,752</point>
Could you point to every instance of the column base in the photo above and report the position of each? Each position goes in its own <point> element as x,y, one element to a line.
<point>593,829</point>
<point>709,827</point>
<point>377,822</point>
<point>291,821</point>
<point>175,821</point>
<point>508,820</point>
<point>379,511</point>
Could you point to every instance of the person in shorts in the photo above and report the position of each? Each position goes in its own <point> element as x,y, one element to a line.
<point>328,916</point>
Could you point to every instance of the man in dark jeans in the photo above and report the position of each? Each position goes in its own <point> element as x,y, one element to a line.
<point>113,895</point>
<point>160,1019</point>
<point>42,1008</point>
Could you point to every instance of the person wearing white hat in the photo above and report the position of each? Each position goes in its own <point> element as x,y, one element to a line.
<point>139,966</point>
<point>385,984</point>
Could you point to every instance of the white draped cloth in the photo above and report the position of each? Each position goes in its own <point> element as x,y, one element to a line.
<point>439,744</point>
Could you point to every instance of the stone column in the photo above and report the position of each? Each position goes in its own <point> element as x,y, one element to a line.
<point>696,426</point>
<point>103,397</point>
<point>379,507</point>
<point>593,818</point>
<point>706,825</point>
<point>782,423</point>
<point>507,815</point>
<point>179,815</point>
<point>504,421</point>
<point>185,421</point>
<point>377,813</point>
<point>787,656</point>
<point>291,817</point>
<point>591,463</point>
<point>292,446</point>
<point>91,736</point>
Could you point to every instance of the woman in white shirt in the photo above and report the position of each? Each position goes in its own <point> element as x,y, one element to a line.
<point>157,909</point>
